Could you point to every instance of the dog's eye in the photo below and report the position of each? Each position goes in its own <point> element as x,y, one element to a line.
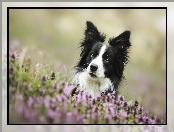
<point>106,60</point>
<point>93,55</point>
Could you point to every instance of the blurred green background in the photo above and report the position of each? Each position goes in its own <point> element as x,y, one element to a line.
<point>52,37</point>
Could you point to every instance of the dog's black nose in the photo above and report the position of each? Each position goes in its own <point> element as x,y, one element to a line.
<point>93,67</point>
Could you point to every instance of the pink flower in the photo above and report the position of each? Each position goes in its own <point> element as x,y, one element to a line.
<point>107,104</point>
<point>30,102</point>
<point>123,113</point>
<point>47,101</point>
<point>68,89</point>
<point>29,115</point>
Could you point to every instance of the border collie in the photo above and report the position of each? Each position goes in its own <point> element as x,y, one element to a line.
<point>100,68</point>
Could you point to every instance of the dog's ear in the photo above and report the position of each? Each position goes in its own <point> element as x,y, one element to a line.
<point>121,45</point>
<point>121,41</point>
<point>92,34</point>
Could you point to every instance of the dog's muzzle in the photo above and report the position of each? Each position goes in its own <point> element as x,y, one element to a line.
<point>93,67</point>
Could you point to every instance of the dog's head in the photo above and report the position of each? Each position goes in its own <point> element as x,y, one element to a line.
<point>100,60</point>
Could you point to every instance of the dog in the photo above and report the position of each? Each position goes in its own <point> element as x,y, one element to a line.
<point>100,68</point>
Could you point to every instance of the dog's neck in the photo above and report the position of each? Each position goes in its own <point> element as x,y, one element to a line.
<point>93,86</point>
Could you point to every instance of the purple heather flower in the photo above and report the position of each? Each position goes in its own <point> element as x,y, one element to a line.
<point>116,116</point>
<point>19,96</point>
<point>158,120</point>
<point>107,104</point>
<point>94,108</point>
<point>71,117</point>
<point>95,116</point>
<point>51,115</point>
<point>83,96</point>
<point>123,113</point>
<point>140,123</point>
<point>113,93</point>
<point>121,98</point>
<point>43,78</point>
<point>110,107</point>
<point>60,97</point>
<point>67,89</point>
<point>11,69</point>
<point>107,117</point>
<point>53,106</point>
<point>42,92</point>
<point>30,102</point>
<point>109,94</point>
<point>55,87</point>
<point>80,119</point>
<point>112,110</point>
<point>29,115</point>
<point>125,104</point>
<point>47,101</point>
<point>136,103</point>
<point>53,100</point>
<point>52,75</point>
<point>79,97</point>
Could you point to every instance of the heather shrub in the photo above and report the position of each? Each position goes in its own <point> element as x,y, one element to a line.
<point>40,96</point>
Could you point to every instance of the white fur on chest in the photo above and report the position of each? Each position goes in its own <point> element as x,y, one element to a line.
<point>93,86</point>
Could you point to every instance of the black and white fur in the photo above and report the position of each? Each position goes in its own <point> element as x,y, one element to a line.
<point>100,68</point>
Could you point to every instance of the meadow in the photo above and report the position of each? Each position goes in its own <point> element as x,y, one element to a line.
<point>44,49</point>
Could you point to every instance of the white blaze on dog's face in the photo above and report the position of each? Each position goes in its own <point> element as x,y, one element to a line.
<point>97,64</point>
